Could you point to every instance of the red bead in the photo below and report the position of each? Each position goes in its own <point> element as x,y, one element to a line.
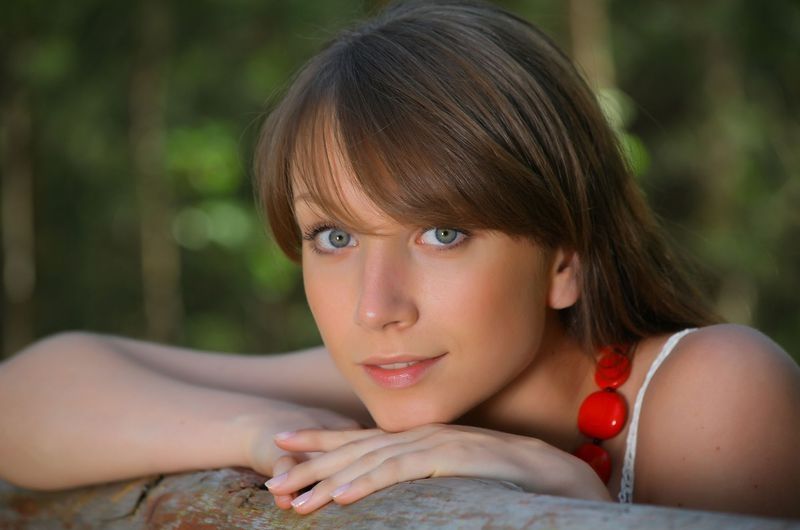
<point>602,414</point>
<point>613,367</point>
<point>597,458</point>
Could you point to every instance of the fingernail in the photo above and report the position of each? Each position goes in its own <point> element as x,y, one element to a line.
<point>276,481</point>
<point>299,501</point>
<point>284,435</point>
<point>341,489</point>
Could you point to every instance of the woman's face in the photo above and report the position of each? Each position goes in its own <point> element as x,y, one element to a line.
<point>467,311</point>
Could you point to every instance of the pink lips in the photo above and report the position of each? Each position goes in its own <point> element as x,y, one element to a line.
<point>400,377</point>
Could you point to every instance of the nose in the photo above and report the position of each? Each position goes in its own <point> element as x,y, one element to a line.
<point>386,299</point>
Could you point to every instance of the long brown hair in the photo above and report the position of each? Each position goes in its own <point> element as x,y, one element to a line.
<point>459,114</point>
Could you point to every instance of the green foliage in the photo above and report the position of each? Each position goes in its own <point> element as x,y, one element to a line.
<point>620,113</point>
<point>207,157</point>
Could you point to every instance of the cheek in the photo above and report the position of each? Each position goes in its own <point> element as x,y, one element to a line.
<point>502,318</point>
<point>327,296</point>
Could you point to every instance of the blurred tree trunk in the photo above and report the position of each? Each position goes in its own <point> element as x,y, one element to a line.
<point>590,41</point>
<point>722,166</point>
<point>19,261</point>
<point>163,306</point>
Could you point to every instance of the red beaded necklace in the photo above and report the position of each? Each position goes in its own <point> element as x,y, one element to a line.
<point>603,413</point>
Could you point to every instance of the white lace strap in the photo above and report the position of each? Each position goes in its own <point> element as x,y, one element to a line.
<point>626,484</point>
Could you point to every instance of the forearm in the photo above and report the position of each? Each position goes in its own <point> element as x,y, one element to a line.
<point>306,377</point>
<point>86,415</point>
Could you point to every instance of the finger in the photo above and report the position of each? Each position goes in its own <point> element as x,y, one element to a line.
<point>364,454</point>
<point>349,486</point>
<point>311,440</point>
<point>322,440</point>
<point>283,465</point>
<point>412,465</point>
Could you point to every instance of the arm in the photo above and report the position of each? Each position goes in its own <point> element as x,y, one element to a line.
<point>306,377</point>
<point>79,408</point>
<point>720,426</point>
<point>354,464</point>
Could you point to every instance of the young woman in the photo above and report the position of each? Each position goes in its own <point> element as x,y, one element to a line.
<point>494,297</point>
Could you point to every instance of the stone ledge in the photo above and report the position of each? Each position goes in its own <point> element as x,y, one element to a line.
<point>235,498</point>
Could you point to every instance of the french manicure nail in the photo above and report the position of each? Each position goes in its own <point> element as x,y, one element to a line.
<point>276,481</point>
<point>341,489</point>
<point>299,501</point>
<point>284,435</point>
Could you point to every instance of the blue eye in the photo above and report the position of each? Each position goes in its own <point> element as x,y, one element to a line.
<point>443,237</point>
<point>328,239</point>
<point>336,237</point>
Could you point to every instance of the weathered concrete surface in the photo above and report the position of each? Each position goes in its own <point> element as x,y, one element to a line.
<point>235,498</point>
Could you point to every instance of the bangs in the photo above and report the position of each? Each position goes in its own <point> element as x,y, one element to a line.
<point>378,110</point>
<point>396,163</point>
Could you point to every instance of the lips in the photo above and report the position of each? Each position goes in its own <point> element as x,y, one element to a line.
<point>398,372</point>
<point>396,366</point>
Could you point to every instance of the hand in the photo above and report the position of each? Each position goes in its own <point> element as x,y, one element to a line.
<point>262,455</point>
<point>352,464</point>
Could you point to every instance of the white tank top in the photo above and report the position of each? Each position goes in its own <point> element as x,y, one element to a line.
<point>626,483</point>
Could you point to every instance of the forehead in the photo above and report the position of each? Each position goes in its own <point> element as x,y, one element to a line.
<point>332,190</point>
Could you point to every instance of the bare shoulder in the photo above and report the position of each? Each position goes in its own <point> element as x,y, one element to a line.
<point>733,350</point>
<point>720,425</point>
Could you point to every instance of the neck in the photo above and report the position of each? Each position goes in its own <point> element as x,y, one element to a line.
<point>543,400</point>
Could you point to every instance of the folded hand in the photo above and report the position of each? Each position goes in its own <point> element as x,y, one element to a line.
<point>348,465</point>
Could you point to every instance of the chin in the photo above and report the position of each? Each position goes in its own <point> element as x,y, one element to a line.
<point>398,424</point>
<point>394,420</point>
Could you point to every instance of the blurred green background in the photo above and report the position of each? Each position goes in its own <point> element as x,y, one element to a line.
<point>126,133</point>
